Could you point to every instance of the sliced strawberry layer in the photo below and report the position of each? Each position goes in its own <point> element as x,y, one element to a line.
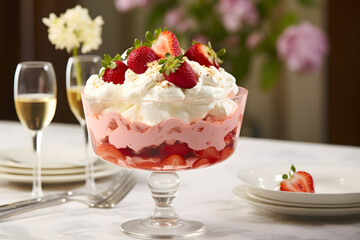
<point>166,157</point>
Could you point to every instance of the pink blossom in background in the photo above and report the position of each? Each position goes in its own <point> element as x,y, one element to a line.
<point>127,5</point>
<point>176,19</point>
<point>232,41</point>
<point>254,39</point>
<point>236,13</point>
<point>303,47</point>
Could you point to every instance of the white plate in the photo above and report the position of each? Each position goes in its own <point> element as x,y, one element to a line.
<point>291,204</point>
<point>297,211</point>
<point>49,171</point>
<point>52,157</point>
<point>107,171</point>
<point>333,184</point>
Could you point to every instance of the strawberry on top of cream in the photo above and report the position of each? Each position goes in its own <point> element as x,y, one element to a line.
<point>212,84</point>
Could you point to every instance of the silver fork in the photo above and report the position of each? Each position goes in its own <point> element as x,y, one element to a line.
<point>107,199</point>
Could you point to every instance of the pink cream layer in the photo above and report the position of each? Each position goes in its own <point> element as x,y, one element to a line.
<point>122,133</point>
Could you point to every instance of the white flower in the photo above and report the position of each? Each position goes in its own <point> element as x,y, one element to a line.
<point>74,29</point>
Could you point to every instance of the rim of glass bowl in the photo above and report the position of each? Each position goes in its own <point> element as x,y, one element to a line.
<point>243,92</point>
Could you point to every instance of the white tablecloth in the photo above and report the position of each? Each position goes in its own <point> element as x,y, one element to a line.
<point>204,195</point>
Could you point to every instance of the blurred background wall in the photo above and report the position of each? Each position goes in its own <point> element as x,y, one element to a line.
<point>323,106</point>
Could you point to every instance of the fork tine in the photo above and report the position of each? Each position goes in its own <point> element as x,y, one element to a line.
<point>118,179</point>
<point>122,194</point>
<point>125,185</point>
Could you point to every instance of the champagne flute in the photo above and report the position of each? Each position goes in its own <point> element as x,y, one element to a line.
<point>35,103</point>
<point>78,70</point>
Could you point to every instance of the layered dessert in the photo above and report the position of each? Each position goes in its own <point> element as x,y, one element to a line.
<point>161,110</point>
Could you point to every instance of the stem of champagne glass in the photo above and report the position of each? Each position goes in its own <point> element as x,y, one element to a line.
<point>89,164</point>
<point>36,140</point>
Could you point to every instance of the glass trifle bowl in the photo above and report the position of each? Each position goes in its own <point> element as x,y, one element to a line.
<point>163,145</point>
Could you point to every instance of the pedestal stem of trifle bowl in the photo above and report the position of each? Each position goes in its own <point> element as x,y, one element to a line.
<point>163,223</point>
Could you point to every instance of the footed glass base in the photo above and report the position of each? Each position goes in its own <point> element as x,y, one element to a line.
<point>149,229</point>
<point>163,222</point>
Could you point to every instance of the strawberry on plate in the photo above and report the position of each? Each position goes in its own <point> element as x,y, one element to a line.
<point>163,42</point>
<point>139,57</point>
<point>297,181</point>
<point>177,71</point>
<point>113,69</point>
<point>205,55</point>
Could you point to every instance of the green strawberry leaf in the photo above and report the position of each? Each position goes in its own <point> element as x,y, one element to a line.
<point>116,58</point>
<point>107,62</point>
<point>107,58</point>
<point>103,63</point>
<point>221,52</point>
<point>170,64</point>
<point>149,37</point>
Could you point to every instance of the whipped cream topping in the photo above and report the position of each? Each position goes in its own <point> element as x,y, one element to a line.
<point>212,84</point>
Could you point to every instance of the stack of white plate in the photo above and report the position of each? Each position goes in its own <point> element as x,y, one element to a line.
<point>59,165</point>
<point>337,191</point>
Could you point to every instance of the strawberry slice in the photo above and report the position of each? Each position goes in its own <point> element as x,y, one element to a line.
<point>209,153</point>
<point>148,165</point>
<point>203,162</point>
<point>177,148</point>
<point>177,71</point>
<point>139,57</point>
<point>297,181</point>
<point>173,160</point>
<point>226,152</point>
<point>163,42</point>
<point>113,69</point>
<point>205,55</point>
<point>229,138</point>
<point>109,153</point>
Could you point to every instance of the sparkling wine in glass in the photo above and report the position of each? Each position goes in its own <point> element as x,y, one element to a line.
<point>163,149</point>
<point>35,104</point>
<point>78,70</point>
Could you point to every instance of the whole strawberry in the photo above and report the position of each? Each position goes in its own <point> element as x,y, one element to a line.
<point>113,69</point>
<point>163,42</point>
<point>297,181</point>
<point>177,71</point>
<point>139,57</point>
<point>205,55</point>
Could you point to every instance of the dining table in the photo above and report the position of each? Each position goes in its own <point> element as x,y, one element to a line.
<point>204,195</point>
